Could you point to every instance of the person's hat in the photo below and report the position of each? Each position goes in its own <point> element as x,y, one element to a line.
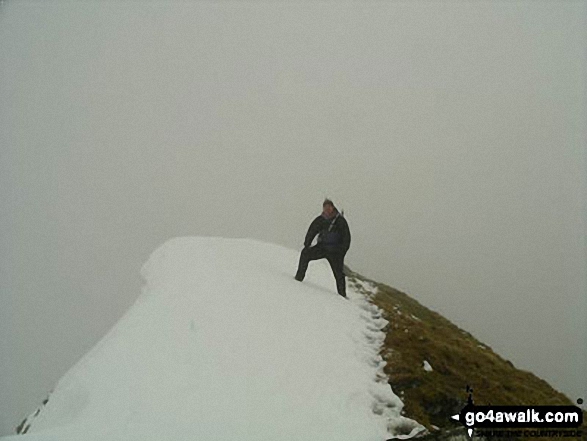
<point>329,202</point>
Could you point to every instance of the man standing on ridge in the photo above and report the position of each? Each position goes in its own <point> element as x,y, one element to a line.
<point>334,240</point>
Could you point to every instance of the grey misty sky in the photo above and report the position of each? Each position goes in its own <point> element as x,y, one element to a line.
<point>453,135</point>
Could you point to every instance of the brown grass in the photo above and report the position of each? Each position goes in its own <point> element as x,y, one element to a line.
<point>457,360</point>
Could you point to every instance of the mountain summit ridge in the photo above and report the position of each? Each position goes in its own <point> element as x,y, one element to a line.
<point>223,343</point>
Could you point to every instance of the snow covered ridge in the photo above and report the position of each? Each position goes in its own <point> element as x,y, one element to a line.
<point>223,344</point>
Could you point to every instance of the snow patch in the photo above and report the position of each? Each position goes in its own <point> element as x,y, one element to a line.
<point>223,344</point>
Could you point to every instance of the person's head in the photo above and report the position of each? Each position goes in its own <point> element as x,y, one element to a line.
<point>328,208</point>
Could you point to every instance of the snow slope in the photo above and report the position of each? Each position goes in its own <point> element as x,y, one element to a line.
<point>224,344</point>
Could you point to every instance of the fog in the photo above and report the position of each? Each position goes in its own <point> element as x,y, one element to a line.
<point>452,134</point>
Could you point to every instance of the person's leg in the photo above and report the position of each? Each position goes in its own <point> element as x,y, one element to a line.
<point>307,255</point>
<point>336,261</point>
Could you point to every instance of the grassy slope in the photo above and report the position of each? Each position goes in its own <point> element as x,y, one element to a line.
<point>416,333</point>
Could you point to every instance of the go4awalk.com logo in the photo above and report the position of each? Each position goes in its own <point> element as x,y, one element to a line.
<point>519,417</point>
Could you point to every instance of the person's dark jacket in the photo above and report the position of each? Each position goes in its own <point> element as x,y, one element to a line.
<point>332,233</point>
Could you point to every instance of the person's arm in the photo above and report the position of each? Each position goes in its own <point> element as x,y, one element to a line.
<point>312,232</point>
<point>346,236</point>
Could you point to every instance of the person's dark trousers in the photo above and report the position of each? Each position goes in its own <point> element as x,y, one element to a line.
<point>335,259</point>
